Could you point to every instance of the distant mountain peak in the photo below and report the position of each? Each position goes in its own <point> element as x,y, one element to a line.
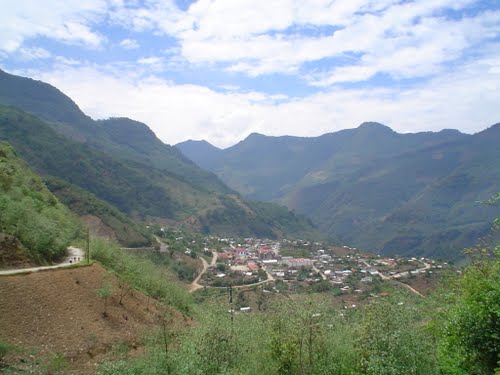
<point>255,135</point>
<point>493,130</point>
<point>450,131</point>
<point>197,143</point>
<point>127,124</point>
<point>371,125</point>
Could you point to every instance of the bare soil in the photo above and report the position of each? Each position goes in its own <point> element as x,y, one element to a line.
<point>58,315</point>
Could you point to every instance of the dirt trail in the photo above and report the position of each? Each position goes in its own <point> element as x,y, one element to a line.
<point>406,286</point>
<point>73,255</point>
<point>195,285</point>
<point>392,278</point>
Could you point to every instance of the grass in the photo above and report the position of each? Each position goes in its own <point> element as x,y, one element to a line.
<point>142,274</point>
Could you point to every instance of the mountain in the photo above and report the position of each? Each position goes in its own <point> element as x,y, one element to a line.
<point>125,139</point>
<point>371,187</point>
<point>122,163</point>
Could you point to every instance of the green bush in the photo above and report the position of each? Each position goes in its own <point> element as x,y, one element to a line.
<point>30,212</point>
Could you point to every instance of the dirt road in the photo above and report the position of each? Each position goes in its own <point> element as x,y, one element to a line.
<point>195,285</point>
<point>73,255</point>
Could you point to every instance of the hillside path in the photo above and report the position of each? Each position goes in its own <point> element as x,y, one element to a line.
<point>72,253</point>
<point>195,284</point>
<point>408,287</point>
<point>392,278</point>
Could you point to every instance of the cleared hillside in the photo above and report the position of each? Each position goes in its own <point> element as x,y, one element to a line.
<point>57,316</point>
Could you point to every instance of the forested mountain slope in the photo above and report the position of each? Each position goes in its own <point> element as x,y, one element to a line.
<point>370,186</point>
<point>123,138</point>
<point>123,163</point>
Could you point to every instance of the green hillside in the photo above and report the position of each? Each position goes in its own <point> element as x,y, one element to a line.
<point>267,168</point>
<point>122,162</point>
<point>371,187</point>
<point>31,217</point>
<point>114,223</point>
<point>126,140</point>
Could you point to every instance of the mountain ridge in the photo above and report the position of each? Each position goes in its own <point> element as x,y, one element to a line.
<point>122,162</point>
<point>354,183</point>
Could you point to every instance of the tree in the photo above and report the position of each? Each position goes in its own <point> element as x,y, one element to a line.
<point>470,338</point>
<point>104,292</point>
<point>392,341</point>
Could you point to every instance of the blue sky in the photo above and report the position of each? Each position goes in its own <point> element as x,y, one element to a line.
<point>222,69</point>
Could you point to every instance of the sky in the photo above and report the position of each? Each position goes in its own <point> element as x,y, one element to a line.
<point>221,69</point>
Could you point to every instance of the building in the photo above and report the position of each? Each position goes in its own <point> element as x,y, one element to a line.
<point>266,253</point>
<point>241,252</point>
<point>252,266</point>
<point>300,263</point>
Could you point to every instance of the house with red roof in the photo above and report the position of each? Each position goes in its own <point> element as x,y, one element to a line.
<point>266,253</point>
<point>252,266</point>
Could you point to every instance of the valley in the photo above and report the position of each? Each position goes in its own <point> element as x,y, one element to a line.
<point>340,254</point>
<point>397,194</point>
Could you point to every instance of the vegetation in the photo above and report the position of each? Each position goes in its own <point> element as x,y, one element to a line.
<point>4,349</point>
<point>142,274</point>
<point>294,337</point>
<point>30,213</point>
<point>122,162</point>
<point>470,331</point>
<point>470,339</point>
<point>104,292</point>
<point>134,187</point>
<point>256,219</point>
<point>371,187</point>
<point>81,202</point>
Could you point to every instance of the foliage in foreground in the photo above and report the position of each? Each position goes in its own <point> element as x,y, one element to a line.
<point>471,329</point>
<point>294,337</point>
<point>401,334</point>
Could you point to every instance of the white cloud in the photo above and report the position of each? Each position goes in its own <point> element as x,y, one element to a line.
<point>465,99</point>
<point>422,51</point>
<point>402,38</point>
<point>68,21</point>
<point>129,44</point>
<point>34,53</point>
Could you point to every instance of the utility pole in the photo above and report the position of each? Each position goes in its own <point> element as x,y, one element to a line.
<point>231,306</point>
<point>88,245</point>
<point>230,288</point>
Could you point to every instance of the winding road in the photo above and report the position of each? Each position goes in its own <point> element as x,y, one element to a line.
<point>392,278</point>
<point>195,285</point>
<point>72,254</point>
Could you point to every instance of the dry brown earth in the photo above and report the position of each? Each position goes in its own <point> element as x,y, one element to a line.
<point>57,314</point>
